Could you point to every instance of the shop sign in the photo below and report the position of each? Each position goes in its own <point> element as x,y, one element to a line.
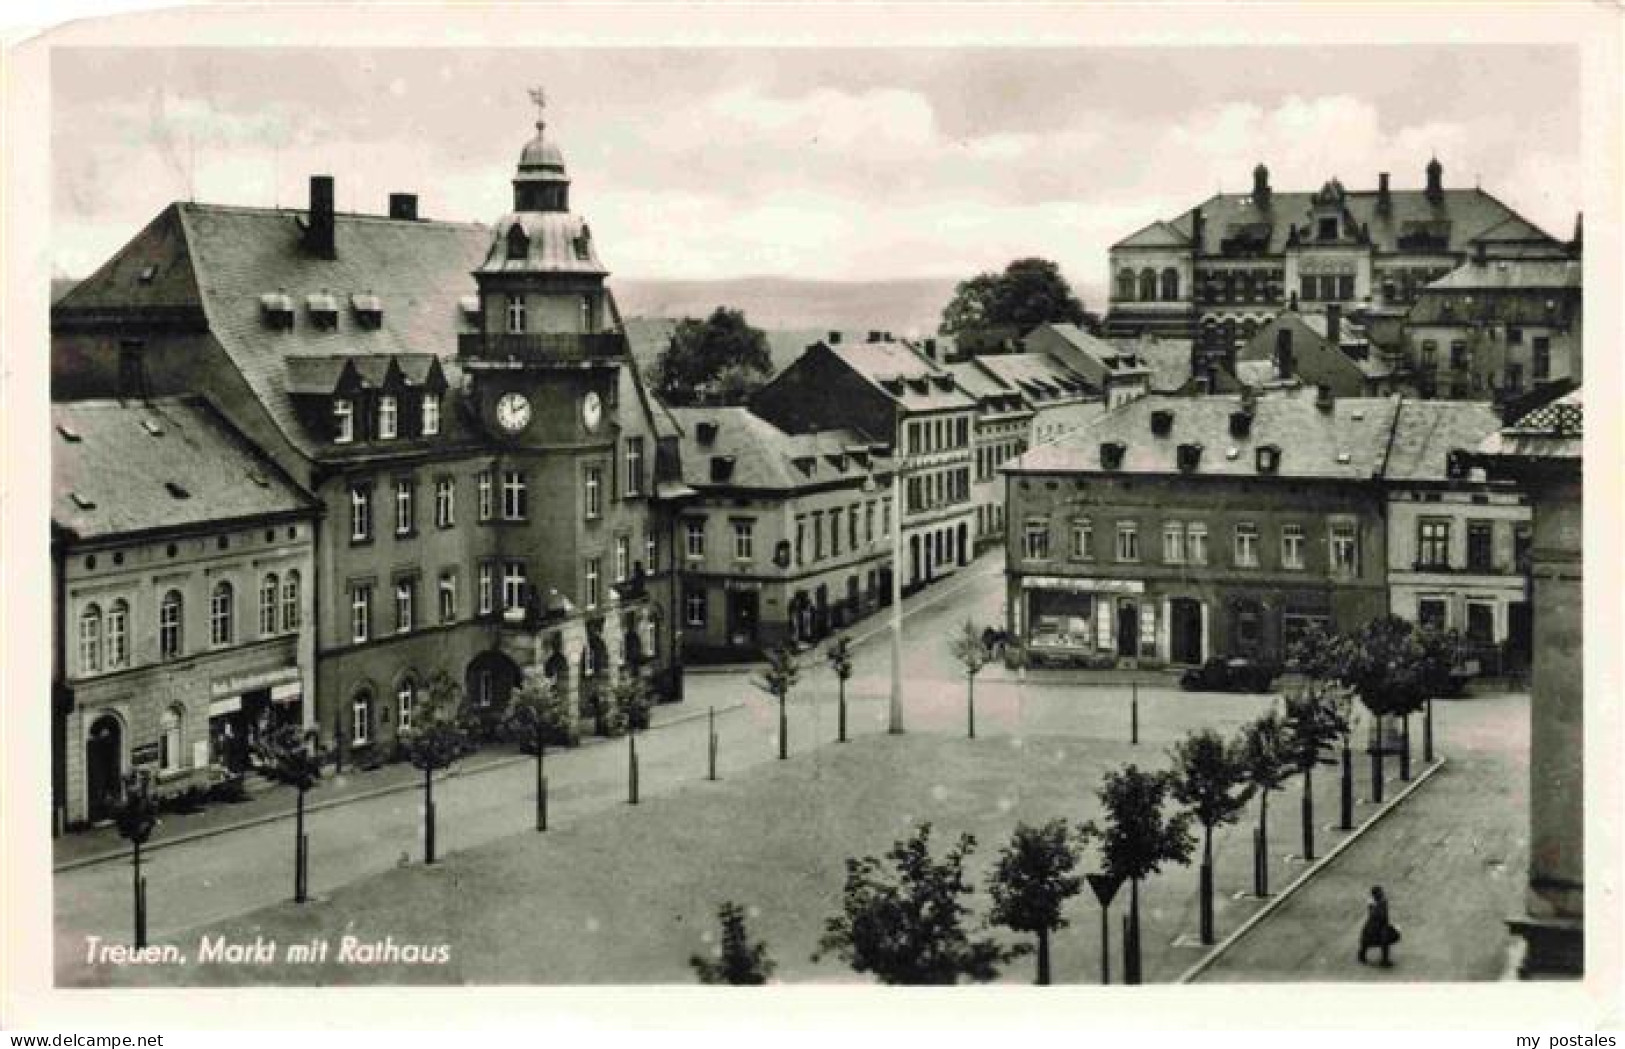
<point>221,707</point>
<point>146,754</point>
<point>742,584</point>
<point>235,684</point>
<point>1083,586</point>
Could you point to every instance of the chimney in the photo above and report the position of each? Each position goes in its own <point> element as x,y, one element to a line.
<point>874,335</point>
<point>319,240</point>
<point>1435,180</point>
<point>1334,324</point>
<point>1261,185</point>
<point>403,206</point>
<point>1241,423</point>
<point>1384,200</point>
<point>834,338</point>
<point>1577,245</point>
<point>1198,227</point>
<point>1323,398</point>
<point>931,348</point>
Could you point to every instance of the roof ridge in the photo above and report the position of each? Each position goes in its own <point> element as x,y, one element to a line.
<point>260,209</point>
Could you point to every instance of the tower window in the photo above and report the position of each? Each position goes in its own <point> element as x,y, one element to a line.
<point>516,314</point>
<point>518,242</point>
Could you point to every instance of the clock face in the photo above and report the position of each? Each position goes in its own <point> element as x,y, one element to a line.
<point>592,410</point>
<point>513,412</point>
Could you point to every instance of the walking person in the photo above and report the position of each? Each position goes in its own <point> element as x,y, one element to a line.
<point>1377,931</point>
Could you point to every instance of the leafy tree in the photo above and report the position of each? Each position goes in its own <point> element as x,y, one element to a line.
<point>288,757</point>
<point>1265,759</point>
<point>906,922</point>
<point>1210,780</point>
<point>1321,656</point>
<point>1138,837</point>
<point>710,357</point>
<point>536,718</point>
<point>437,739</point>
<point>1032,882</point>
<point>1028,293</point>
<point>973,654</point>
<point>1313,725</point>
<point>632,702</point>
<point>783,669</point>
<point>738,961</point>
<point>840,661</point>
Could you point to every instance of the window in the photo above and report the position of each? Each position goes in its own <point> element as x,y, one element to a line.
<point>1541,352</point>
<point>744,540</point>
<point>1128,541</point>
<point>360,612</point>
<point>290,600</point>
<point>513,584</point>
<point>431,414</point>
<point>634,466</point>
<point>594,582</point>
<point>90,639</point>
<point>1345,543</point>
<point>361,719</point>
<point>405,511</point>
<point>1170,283</point>
<point>487,588</point>
<point>448,597</point>
<point>1328,228</point>
<point>1035,540</point>
<point>388,423</point>
<point>1173,543</point>
<point>594,479</point>
<point>694,608</point>
<point>220,614</point>
<point>170,753</point>
<point>835,532</point>
<point>514,500</point>
<point>516,314</point>
<point>623,558</point>
<point>269,593</point>
<point>1433,543</point>
<point>852,527</point>
<point>1515,377</point>
<point>1480,623</point>
<point>1514,336</point>
<point>1196,543</point>
<point>1432,613</point>
<point>885,517</point>
<point>694,537</point>
<point>651,553</point>
<point>482,485</point>
<point>1083,539</point>
<point>1345,286</point>
<point>169,625</point>
<point>343,420</point>
<point>1430,355</point>
<point>1246,545</point>
<point>445,502</point>
<point>1480,546</point>
<point>406,694</point>
<point>869,521</point>
<point>118,635</point>
<point>360,514</point>
<point>1458,354</point>
<point>406,599</point>
<point>1292,546</point>
<point>1125,284</point>
<point>801,539</point>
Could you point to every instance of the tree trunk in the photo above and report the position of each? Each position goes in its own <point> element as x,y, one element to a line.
<point>1131,949</point>
<point>140,904</point>
<point>1346,796</point>
<point>784,730</point>
<point>1205,887</point>
<point>541,783</point>
<point>428,815</point>
<point>1262,885</point>
<point>301,872</point>
<point>1405,747</point>
<point>970,705</point>
<point>1309,811</point>
<point>1043,957</point>
<point>841,736</point>
<point>1377,746</point>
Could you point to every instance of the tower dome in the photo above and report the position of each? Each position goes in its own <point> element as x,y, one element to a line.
<point>541,183</point>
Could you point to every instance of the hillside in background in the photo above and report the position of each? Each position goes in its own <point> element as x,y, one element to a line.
<point>903,307</point>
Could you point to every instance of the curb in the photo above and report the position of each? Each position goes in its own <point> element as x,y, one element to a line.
<point>367,795</point>
<point>1276,901</point>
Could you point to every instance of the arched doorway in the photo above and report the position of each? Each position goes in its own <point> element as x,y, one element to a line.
<point>1128,628</point>
<point>104,766</point>
<point>492,677</point>
<point>964,548</point>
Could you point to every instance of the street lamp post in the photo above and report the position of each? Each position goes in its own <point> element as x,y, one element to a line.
<point>894,722</point>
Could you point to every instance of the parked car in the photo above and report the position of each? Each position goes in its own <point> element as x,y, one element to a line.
<point>1230,674</point>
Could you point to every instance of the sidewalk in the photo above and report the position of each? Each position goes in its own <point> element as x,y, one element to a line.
<point>99,844</point>
<point>1451,860</point>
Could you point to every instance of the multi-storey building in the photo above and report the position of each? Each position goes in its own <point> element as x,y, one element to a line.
<point>1542,452</point>
<point>495,481</point>
<point>1221,270</point>
<point>1314,349</point>
<point>1497,328</point>
<point>888,393</point>
<point>788,538</point>
<point>1003,430</point>
<point>1177,528</point>
<point>183,606</point>
<point>1458,545</point>
<point>1118,373</point>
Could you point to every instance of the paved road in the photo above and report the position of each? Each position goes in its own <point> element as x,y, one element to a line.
<point>222,876</point>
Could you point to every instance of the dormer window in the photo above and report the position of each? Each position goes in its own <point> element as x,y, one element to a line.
<point>369,310</point>
<point>388,417</point>
<point>1111,455</point>
<point>431,414</point>
<point>1328,228</point>
<point>518,243</point>
<point>1269,459</point>
<point>277,310</point>
<point>1190,456</point>
<point>583,245</point>
<point>324,311</point>
<point>1162,423</point>
<point>343,420</point>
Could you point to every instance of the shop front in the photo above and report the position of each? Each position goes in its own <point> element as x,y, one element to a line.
<point>243,709</point>
<point>1069,620</point>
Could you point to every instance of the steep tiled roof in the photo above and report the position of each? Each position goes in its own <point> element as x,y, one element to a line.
<point>1426,432</point>
<point>1157,235</point>
<point>904,374</point>
<point>1511,275</point>
<point>120,468</point>
<point>557,242</point>
<point>1169,360</point>
<point>1040,378</point>
<point>1554,431</point>
<point>763,456</point>
<point>1343,442</point>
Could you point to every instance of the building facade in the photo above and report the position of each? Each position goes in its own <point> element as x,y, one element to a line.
<point>788,538</point>
<point>185,583</point>
<point>1315,349</point>
<point>1003,430</point>
<point>495,482</point>
<point>1118,373</point>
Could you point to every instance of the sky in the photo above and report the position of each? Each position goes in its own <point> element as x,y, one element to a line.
<point>842,164</point>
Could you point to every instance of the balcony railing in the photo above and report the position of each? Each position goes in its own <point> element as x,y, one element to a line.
<point>544,347</point>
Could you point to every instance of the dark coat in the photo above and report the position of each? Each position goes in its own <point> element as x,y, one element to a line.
<point>1377,931</point>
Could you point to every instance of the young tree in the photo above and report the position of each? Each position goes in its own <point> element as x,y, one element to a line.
<point>906,923</point>
<point>1210,780</point>
<point>706,357</point>
<point>738,961</point>
<point>1137,839</point>
<point>136,816</point>
<point>783,669</point>
<point>535,720</point>
<point>840,661</point>
<point>1320,657</point>
<point>1032,882</point>
<point>438,737</point>
<point>1028,293</point>
<point>1313,726</point>
<point>1264,758</point>
<point>288,757</point>
<point>967,647</point>
<point>1387,665</point>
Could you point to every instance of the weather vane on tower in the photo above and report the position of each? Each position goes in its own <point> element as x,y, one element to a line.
<point>539,96</point>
